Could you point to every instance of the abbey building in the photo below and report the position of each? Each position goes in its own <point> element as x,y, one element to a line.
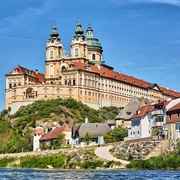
<point>83,75</point>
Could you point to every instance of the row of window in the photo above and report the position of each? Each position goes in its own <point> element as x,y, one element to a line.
<point>134,134</point>
<point>103,96</point>
<point>159,119</point>
<point>70,82</point>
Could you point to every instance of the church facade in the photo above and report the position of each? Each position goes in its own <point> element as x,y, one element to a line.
<point>83,75</point>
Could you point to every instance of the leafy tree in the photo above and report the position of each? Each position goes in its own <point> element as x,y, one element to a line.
<point>119,133</point>
<point>57,143</point>
<point>107,138</point>
<point>16,130</point>
<point>87,138</point>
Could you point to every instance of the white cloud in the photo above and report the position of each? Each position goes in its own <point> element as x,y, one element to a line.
<point>10,23</point>
<point>123,2</point>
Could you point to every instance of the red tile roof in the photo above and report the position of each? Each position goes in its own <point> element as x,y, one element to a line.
<point>166,103</point>
<point>174,108</point>
<point>53,134</point>
<point>22,70</point>
<point>104,72</point>
<point>38,131</point>
<point>169,92</point>
<point>173,114</point>
<point>143,111</point>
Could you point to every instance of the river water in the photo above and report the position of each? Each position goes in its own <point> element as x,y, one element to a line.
<point>36,174</point>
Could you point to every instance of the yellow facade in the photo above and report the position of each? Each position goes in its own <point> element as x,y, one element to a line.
<point>63,79</point>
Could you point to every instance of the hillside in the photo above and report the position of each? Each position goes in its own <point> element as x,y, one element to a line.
<point>16,130</point>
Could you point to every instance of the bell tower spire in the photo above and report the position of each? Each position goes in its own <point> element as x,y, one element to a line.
<point>54,46</point>
<point>94,47</point>
<point>78,43</point>
<point>54,33</point>
<point>79,31</point>
<point>54,53</point>
<point>89,31</point>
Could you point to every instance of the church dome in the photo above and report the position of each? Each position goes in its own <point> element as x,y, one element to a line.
<point>91,40</point>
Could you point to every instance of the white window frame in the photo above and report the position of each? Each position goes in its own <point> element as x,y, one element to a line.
<point>51,70</point>
<point>76,52</point>
<point>51,54</point>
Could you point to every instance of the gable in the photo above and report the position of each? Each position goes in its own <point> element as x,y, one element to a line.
<point>155,87</point>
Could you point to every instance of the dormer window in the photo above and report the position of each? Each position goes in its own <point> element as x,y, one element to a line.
<point>76,52</point>
<point>51,54</point>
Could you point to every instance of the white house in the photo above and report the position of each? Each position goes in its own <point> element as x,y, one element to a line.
<point>37,135</point>
<point>148,119</point>
<point>141,123</point>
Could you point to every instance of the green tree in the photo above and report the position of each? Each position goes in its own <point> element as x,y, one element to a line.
<point>119,133</point>
<point>107,138</point>
<point>57,143</point>
<point>87,138</point>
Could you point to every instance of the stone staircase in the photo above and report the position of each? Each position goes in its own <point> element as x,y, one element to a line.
<point>159,149</point>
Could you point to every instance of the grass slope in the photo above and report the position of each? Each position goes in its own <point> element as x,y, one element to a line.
<point>16,130</point>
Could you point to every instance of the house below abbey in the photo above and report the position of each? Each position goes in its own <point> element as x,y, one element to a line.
<point>83,75</point>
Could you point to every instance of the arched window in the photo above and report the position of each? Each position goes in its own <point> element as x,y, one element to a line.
<point>93,57</point>
<point>84,52</point>
<point>89,82</point>
<point>51,66</point>
<point>76,52</point>
<point>63,68</point>
<point>29,93</point>
<point>51,54</point>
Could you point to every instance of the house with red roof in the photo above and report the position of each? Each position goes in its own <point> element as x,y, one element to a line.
<point>153,117</point>
<point>148,120</point>
<point>173,121</point>
<point>54,134</point>
<point>82,75</point>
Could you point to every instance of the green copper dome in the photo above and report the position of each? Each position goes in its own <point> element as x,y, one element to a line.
<point>91,40</point>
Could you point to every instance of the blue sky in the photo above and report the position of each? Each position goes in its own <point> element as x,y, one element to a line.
<point>140,38</point>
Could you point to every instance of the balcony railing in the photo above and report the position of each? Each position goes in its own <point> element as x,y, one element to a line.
<point>157,112</point>
<point>158,124</point>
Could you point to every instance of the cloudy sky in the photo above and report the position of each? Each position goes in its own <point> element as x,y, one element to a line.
<point>140,38</point>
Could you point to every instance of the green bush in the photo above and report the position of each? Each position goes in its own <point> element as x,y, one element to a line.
<point>57,161</point>
<point>109,164</point>
<point>162,162</point>
<point>26,117</point>
<point>91,164</point>
<point>5,161</point>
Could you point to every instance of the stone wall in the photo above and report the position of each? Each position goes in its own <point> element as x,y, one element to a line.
<point>137,150</point>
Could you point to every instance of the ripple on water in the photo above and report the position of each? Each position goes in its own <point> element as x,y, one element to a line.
<point>38,174</point>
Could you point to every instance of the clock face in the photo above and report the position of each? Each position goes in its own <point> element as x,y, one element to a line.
<point>52,41</point>
<point>77,38</point>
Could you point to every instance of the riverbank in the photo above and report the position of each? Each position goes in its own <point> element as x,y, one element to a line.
<point>79,159</point>
<point>88,160</point>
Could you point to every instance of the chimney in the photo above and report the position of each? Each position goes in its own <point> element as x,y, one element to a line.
<point>86,120</point>
<point>36,70</point>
